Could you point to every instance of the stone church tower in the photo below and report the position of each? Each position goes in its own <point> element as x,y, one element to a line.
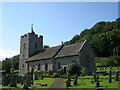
<point>30,43</point>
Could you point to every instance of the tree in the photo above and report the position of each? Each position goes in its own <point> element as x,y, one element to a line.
<point>6,65</point>
<point>45,46</point>
<point>103,37</point>
<point>73,68</point>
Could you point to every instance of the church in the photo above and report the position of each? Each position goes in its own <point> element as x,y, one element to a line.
<point>34,57</point>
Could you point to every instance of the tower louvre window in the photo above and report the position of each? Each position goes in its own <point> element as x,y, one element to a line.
<point>23,45</point>
<point>35,45</point>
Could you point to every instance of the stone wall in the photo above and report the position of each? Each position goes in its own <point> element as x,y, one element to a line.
<point>29,44</point>
<point>34,64</point>
<point>65,61</point>
<point>87,58</point>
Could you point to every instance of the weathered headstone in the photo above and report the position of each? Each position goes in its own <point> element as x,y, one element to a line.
<point>75,81</point>
<point>98,84</point>
<point>35,77</point>
<point>117,75</point>
<point>94,76</point>
<point>92,81</point>
<point>27,81</point>
<point>110,76</point>
<point>97,77</point>
<point>5,80</point>
<point>21,80</point>
<point>41,77</point>
<point>69,79</point>
<point>13,81</point>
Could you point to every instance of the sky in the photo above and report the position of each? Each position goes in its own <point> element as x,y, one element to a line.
<point>56,21</point>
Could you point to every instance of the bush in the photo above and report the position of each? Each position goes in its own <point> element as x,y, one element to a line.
<point>109,61</point>
<point>73,68</point>
<point>55,75</point>
<point>60,71</point>
<point>63,76</point>
<point>73,76</point>
<point>28,73</point>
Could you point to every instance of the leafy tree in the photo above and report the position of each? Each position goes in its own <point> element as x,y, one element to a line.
<point>104,37</point>
<point>6,65</point>
<point>73,68</point>
<point>46,46</point>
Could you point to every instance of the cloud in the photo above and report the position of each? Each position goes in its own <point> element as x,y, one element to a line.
<point>7,54</point>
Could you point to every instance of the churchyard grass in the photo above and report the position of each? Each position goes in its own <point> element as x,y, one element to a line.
<point>107,69</point>
<point>85,82</point>
<point>48,81</point>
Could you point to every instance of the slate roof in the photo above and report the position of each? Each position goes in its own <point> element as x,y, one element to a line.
<point>48,53</point>
<point>69,50</point>
<point>58,51</point>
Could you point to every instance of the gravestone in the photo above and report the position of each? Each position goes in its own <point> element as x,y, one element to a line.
<point>5,80</point>
<point>69,79</point>
<point>98,84</point>
<point>35,77</point>
<point>94,76</point>
<point>25,84</point>
<point>75,81</point>
<point>110,76</point>
<point>68,82</point>
<point>117,75</point>
<point>13,81</point>
<point>41,77</point>
<point>21,80</point>
<point>92,81</point>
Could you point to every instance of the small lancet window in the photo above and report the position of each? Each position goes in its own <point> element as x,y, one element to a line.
<point>28,68</point>
<point>46,66</point>
<point>38,66</point>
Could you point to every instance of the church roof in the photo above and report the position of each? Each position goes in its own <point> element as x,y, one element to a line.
<point>47,53</point>
<point>58,51</point>
<point>69,50</point>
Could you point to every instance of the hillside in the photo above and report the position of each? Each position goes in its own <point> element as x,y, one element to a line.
<point>104,37</point>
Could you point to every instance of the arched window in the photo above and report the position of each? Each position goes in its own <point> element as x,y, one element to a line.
<point>32,70</point>
<point>46,66</point>
<point>59,66</point>
<point>28,67</point>
<point>38,66</point>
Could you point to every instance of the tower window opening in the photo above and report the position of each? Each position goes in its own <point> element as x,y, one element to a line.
<point>23,45</point>
<point>35,45</point>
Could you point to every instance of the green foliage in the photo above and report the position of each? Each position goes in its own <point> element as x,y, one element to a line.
<point>73,68</point>
<point>55,75</point>
<point>10,64</point>
<point>103,37</point>
<point>45,46</point>
<point>63,76</point>
<point>83,70</point>
<point>109,61</point>
<point>6,65</point>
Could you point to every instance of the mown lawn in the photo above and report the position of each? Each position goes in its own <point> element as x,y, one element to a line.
<point>48,81</point>
<point>107,69</point>
<point>86,83</point>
